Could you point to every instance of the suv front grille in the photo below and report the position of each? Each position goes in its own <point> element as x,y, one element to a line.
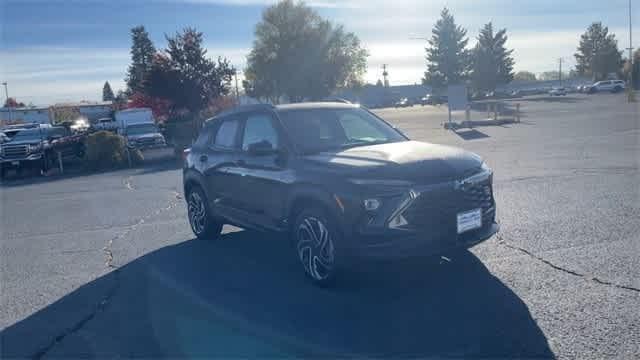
<point>15,151</point>
<point>145,142</point>
<point>436,211</point>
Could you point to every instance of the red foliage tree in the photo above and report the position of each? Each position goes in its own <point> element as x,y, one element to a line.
<point>12,103</point>
<point>161,108</point>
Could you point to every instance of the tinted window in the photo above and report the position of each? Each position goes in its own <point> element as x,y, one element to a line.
<point>259,128</point>
<point>226,135</point>
<point>58,131</point>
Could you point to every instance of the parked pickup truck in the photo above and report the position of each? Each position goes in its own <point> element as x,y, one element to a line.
<point>140,131</point>
<point>37,147</point>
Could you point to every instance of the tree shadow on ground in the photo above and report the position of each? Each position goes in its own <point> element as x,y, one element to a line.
<point>33,176</point>
<point>244,296</point>
<point>556,99</point>
<point>470,134</point>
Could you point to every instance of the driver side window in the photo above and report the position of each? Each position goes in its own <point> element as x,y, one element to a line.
<point>259,128</point>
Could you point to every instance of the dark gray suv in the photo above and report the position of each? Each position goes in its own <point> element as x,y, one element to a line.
<point>343,183</point>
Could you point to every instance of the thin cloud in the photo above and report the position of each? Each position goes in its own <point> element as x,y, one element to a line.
<point>331,4</point>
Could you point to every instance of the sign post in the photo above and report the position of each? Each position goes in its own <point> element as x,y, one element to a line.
<point>456,98</point>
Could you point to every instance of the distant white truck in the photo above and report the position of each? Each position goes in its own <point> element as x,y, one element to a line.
<point>139,129</point>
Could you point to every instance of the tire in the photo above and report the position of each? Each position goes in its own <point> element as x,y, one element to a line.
<point>315,236</point>
<point>616,89</point>
<point>202,221</point>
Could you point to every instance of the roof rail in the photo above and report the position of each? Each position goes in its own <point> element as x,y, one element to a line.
<point>245,108</point>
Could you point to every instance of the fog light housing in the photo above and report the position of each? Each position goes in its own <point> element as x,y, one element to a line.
<point>371,204</point>
<point>398,221</point>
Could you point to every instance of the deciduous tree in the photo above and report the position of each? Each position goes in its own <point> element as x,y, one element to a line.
<point>524,75</point>
<point>186,76</point>
<point>299,55</point>
<point>12,103</point>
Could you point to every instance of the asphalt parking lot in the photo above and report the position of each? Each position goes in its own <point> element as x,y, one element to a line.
<point>105,265</point>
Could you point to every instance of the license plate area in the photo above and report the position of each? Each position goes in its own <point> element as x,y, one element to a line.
<point>469,220</point>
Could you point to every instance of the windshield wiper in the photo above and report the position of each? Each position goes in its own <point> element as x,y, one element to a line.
<point>362,143</point>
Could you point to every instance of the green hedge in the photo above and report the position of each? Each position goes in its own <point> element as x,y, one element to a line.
<point>106,150</point>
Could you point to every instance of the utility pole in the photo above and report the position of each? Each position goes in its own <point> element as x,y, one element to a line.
<point>630,52</point>
<point>384,75</point>
<point>235,74</point>
<point>6,91</point>
<point>560,71</point>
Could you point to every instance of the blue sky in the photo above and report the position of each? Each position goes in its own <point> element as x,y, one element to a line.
<point>64,50</point>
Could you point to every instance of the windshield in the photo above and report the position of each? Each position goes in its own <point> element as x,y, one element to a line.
<point>333,129</point>
<point>141,129</point>
<point>28,134</point>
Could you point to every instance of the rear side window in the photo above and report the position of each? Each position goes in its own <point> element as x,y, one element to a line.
<point>227,134</point>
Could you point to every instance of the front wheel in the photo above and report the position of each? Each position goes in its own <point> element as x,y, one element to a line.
<point>315,238</point>
<point>203,224</point>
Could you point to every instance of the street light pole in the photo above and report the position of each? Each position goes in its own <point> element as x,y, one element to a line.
<point>630,50</point>
<point>6,91</point>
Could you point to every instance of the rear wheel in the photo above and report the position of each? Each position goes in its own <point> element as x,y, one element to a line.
<point>202,222</point>
<point>315,236</point>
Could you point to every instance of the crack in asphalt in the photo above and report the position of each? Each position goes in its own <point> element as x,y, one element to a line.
<point>80,324</point>
<point>502,241</point>
<point>108,251</point>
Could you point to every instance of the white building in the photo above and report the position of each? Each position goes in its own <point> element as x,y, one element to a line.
<point>10,116</point>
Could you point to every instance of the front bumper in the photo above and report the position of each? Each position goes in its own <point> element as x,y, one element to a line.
<point>157,152</point>
<point>424,221</point>
<point>401,246</point>
<point>17,161</point>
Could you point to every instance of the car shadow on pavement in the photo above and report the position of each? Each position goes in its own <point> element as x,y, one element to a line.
<point>244,296</point>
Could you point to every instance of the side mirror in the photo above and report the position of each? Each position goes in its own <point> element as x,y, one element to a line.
<point>261,148</point>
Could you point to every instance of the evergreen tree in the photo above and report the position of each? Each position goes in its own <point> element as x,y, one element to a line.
<point>598,53</point>
<point>447,58</point>
<point>492,63</point>
<point>107,93</point>
<point>142,52</point>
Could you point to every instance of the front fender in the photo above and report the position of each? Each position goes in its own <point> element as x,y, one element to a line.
<point>340,206</point>
<point>193,177</point>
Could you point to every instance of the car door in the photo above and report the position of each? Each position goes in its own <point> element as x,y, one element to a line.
<point>218,161</point>
<point>263,166</point>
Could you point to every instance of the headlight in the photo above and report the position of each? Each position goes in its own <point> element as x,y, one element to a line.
<point>380,182</point>
<point>486,167</point>
<point>34,148</point>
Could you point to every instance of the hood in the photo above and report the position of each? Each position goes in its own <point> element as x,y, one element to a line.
<point>419,162</point>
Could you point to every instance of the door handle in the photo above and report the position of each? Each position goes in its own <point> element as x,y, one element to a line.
<point>204,158</point>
